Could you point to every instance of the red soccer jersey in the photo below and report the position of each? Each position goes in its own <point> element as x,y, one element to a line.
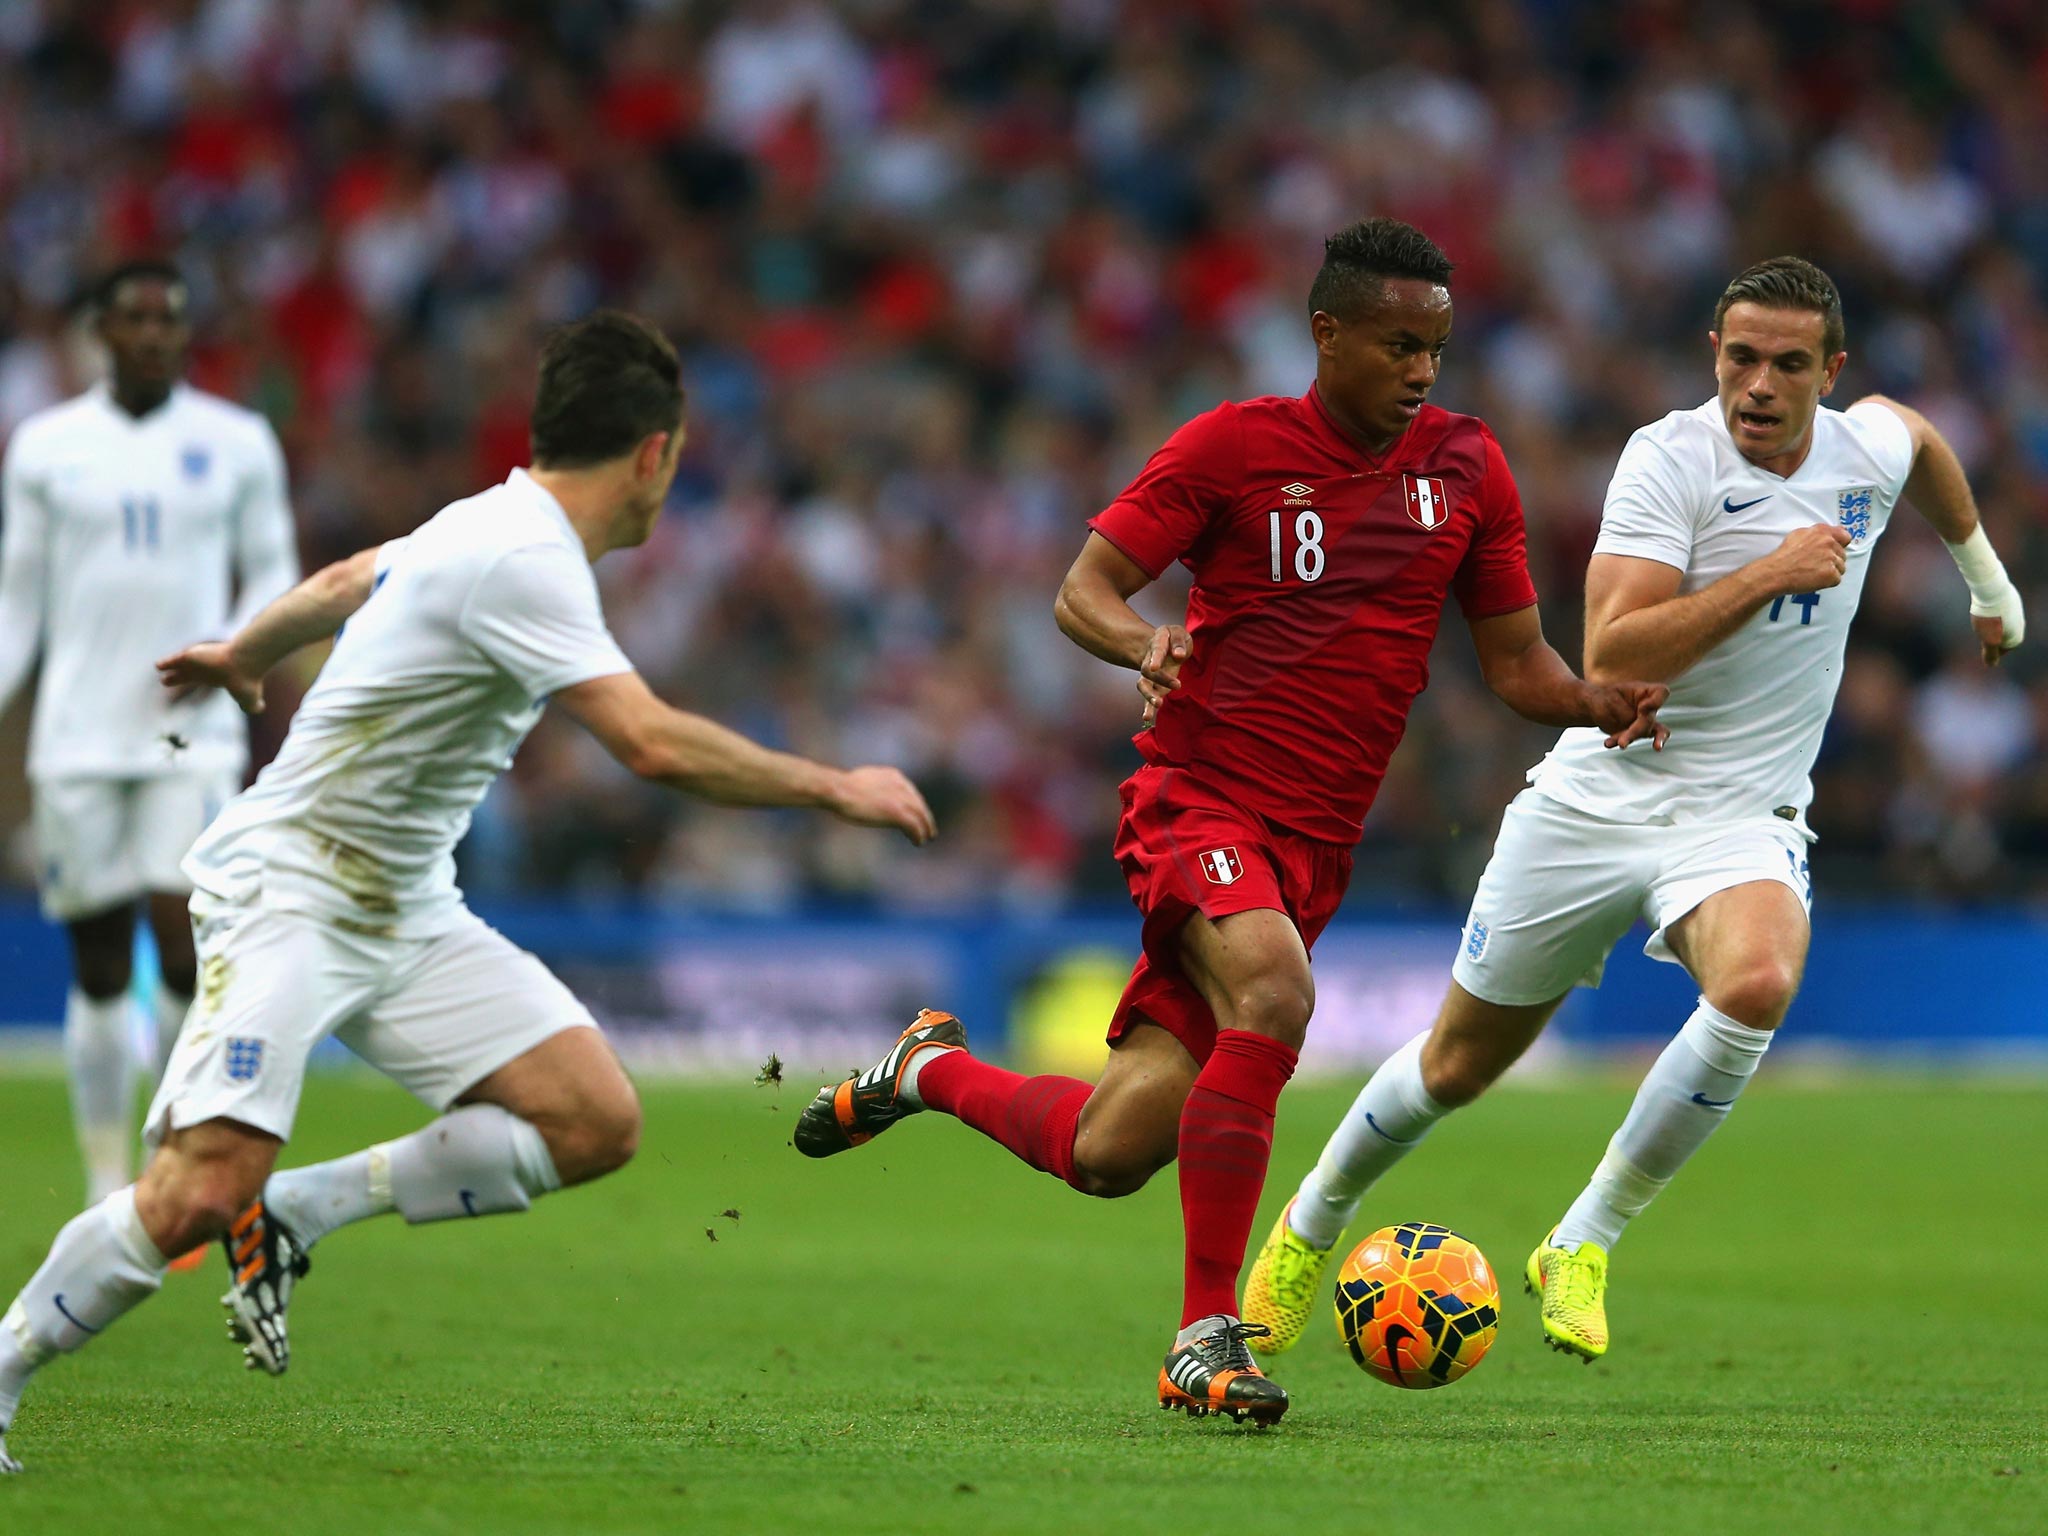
<point>1320,576</point>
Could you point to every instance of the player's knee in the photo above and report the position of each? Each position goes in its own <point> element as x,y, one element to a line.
<point>1111,1178</point>
<point>601,1139</point>
<point>620,1134</point>
<point>1277,1007</point>
<point>1456,1075</point>
<point>102,975</point>
<point>201,1218</point>
<point>196,1206</point>
<point>1758,993</point>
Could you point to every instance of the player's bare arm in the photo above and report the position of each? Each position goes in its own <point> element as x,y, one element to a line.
<point>1526,674</point>
<point>700,757</point>
<point>1638,626</point>
<point>1940,492</point>
<point>313,610</point>
<point>1094,611</point>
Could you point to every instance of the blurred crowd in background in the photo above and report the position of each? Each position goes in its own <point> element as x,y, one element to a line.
<point>944,272</point>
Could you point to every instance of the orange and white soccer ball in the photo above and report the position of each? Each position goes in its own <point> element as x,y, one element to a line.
<point>1417,1305</point>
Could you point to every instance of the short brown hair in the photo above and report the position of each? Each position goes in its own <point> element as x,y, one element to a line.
<point>1789,282</point>
<point>607,383</point>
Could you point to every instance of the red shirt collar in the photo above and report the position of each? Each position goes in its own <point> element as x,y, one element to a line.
<point>1393,452</point>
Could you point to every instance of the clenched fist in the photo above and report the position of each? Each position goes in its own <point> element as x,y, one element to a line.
<point>1810,559</point>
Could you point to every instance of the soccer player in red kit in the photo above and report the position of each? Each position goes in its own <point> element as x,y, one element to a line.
<point>1324,534</point>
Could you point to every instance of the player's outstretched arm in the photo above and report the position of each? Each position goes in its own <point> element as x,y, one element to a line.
<point>312,610</point>
<point>1528,676</point>
<point>1638,626</point>
<point>700,757</point>
<point>1940,492</point>
<point>1094,611</point>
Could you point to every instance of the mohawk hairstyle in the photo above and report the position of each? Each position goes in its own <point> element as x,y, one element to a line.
<point>1359,258</point>
<point>1789,282</point>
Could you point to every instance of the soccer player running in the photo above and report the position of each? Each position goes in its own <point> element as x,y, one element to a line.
<point>325,900</point>
<point>140,516</point>
<point>1731,555</point>
<point>1323,533</point>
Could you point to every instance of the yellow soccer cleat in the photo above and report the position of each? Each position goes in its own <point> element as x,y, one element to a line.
<point>1281,1290</point>
<point>1574,1291</point>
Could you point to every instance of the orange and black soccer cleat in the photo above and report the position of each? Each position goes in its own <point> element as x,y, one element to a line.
<point>843,1116</point>
<point>264,1263</point>
<point>1209,1370</point>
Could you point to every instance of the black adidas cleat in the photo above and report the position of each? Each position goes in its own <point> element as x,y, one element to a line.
<point>264,1263</point>
<point>1209,1370</point>
<point>841,1117</point>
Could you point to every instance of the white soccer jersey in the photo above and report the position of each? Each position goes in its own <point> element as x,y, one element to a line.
<point>121,535</point>
<point>478,616</point>
<point>1746,719</point>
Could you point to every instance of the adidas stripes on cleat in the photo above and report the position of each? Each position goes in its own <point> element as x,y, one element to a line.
<point>1281,1289</point>
<point>841,1117</point>
<point>1574,1291</point>
<point>264,1263</point>
<point>1209,1370</point>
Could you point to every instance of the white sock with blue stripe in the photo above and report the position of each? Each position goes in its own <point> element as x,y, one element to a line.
<point>1390,1116</point>
<point>477,1160</point>
<point>1682,1102</point>
<point>101,1265</point>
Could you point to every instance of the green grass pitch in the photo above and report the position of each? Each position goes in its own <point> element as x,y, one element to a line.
<point>1838,1321</point>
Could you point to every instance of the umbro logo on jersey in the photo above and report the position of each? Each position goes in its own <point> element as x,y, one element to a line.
<point>1297,494</point>
<point>1222,866</point>
<point>1741,506</point>
<point>1429,504</point>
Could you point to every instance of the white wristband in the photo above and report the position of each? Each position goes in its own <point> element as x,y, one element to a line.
<point>1992,594</point>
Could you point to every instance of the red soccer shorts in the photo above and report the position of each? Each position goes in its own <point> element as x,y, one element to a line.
<point>1185,849</point>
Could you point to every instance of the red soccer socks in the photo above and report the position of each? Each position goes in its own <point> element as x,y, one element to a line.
<point>1035,1117</point>
<point>1226,1139</point>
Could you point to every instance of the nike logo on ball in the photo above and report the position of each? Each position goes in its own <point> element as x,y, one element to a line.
<point>1740,506</point>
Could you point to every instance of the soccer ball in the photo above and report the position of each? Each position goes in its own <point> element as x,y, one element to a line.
<point>1417,1305</point>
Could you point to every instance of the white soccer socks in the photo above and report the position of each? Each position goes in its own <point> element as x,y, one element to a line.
<point>314,1200</point>
<point>476,1161</point>
<point>99,1056</point>
<point>1683,1100</point>
<point>101,1265</point>
<point>479,1160</point>
<point>1388,1119</point>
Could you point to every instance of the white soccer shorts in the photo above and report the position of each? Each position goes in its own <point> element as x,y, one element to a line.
<point>1563,886</point>
<point>103,842</point>
<point>437,1015</point>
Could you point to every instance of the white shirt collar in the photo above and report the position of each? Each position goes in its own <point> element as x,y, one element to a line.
<point>103,393</point>
<point>524,484</point>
